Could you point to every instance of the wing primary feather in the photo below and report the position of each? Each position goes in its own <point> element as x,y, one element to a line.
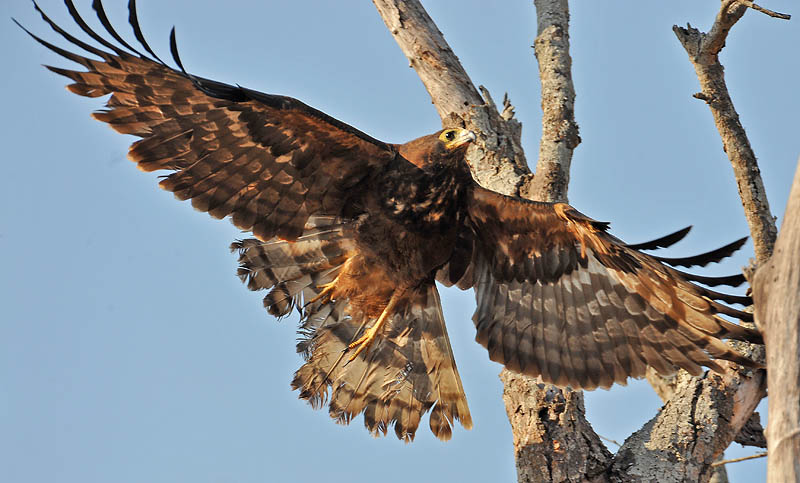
<point>64,53</point>
<point>91,33</point>
<point>662,242</point>
<point>704,259</point>
<point>133,19</point>
<point>173,48</point>
<point>728,280</point>
<point>724,309</point>
<point>97,5</point>
<point>731,299</point>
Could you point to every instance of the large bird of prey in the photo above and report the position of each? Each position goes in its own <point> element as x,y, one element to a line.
<point>354,232</point>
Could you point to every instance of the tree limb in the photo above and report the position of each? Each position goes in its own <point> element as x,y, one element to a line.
<point>559,129</point>
<point>718,405</point>
<point>703,50</point>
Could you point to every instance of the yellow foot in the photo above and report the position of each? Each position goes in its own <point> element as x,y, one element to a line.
<point>327,288</point>
<point>365,340</point>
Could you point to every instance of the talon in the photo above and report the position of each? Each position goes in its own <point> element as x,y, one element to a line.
<point>365,340</point>
<point>327,288</point>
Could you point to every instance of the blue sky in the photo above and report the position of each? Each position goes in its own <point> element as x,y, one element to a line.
<point>129,351</point>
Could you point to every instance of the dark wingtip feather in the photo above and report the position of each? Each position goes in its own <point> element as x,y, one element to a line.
<point>97,5</point>
<point>729,280</point>
<point>662,242</point>
<point>76,16</point>
<point>64,53</point>
<point>704,259</point>
<point>731,299</point>
<point>133,20</point>
<point>22,27</point>
<point>730,311</point>
<point>173,48</point>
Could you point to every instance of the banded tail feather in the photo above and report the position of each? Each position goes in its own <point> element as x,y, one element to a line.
<point>393,382</point>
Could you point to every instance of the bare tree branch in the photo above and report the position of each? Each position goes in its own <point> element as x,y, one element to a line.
<point>752,434</point>
<point>703,50</point>
<point>692,429</point>
<point>776,291</point>
<point>715,406</point>
<point>743,458</point>
<point>553,441</point>
<point>559,129</point>
<point>763,10</point>
<point>718,405</point>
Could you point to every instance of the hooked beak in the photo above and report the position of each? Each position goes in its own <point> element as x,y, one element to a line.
<point>464,136</point>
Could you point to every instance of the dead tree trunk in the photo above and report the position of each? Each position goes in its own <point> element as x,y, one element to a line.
<point>777,296</point>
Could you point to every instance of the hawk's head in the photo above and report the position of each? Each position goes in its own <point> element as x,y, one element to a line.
<point>444,147</point>
<point>455,139</point>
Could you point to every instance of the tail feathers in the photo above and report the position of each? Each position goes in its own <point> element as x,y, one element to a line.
<point>407,371</point>
<point>294,270</point>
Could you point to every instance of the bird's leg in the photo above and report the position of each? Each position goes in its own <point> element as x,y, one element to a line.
<point>327,288</point>
<point>369,335</point>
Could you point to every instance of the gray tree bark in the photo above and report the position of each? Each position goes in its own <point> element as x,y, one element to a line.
<point>553,441</point>
<point>777,296</point>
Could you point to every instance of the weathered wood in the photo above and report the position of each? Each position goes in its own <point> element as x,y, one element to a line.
<point>703,50</point>
<point>553,441</point>
<point>776,291</point>
<point>692,430</point>
<point>559,129</point>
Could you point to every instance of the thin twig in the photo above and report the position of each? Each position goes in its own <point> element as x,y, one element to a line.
<point>609,440</point>
<point>759,8</point>
<point>736,460</point>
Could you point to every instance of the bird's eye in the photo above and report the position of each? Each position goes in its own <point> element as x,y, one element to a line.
<point>450,135</point>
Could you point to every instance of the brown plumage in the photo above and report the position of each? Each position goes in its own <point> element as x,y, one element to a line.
<point>354,232</point>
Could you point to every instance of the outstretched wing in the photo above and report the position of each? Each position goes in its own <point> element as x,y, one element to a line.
<point>560,298</point>
<point>295,177</point>
<point>267,161</point>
